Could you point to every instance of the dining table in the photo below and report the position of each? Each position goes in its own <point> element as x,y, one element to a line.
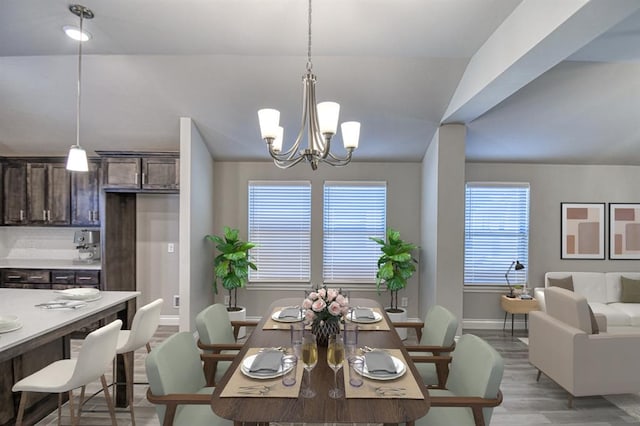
<point>362,404</point>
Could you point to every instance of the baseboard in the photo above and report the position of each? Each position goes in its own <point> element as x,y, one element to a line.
<point>170,320</point>
<point>491,324</point>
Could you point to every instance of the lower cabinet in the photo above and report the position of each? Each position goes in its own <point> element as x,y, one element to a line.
<point>57,279</point>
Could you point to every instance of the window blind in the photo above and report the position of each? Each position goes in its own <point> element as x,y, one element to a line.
<point>280,225</point>
<point>496,232</point>
<point>353,212</point>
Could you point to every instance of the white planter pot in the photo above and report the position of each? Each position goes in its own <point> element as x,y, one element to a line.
<point>239,316</point>
<point>399,317</point>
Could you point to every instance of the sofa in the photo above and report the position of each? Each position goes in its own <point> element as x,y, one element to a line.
<point>603,291</point>
<point>563,347</point>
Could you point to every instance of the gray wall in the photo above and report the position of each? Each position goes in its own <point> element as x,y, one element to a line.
<point>403,213</point>
<point>551,185</point>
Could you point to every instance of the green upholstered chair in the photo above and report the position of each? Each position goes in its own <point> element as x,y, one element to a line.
<point>472,389</point>
<point>177,383</point>
<point>437,338</point>
<point>217,335</point>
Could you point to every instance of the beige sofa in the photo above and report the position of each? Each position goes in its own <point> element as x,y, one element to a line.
<point>603,293</point>
<point>562,347</point>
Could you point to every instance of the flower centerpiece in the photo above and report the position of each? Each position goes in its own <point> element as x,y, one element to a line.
<point>324,309</point>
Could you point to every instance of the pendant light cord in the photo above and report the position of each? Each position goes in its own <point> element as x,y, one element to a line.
<point>309,64</point>
<point>79,79</point>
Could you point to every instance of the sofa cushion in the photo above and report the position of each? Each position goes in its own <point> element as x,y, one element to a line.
<point>630,310</point>
<point>630,290</point>
<point>615,316</point>
<point>566,282</point>
<point>614,285</point>
<point>591,285</point>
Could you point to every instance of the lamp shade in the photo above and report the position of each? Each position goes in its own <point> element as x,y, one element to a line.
<point>328,114</point>
<point>269,122</point>
<point>350,134</point>
<point>277,142</point>
<point>77,159</point>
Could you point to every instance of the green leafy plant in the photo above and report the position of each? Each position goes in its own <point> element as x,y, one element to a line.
<point>231,265</point>
<point>395,266</point>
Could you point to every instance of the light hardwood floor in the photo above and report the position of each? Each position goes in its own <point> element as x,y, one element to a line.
<point>526,402</point>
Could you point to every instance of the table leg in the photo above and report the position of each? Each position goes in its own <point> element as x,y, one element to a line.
<point>512,315</point>
<point>504,323</point>
<point>121,391</point>
<point>526,325</point>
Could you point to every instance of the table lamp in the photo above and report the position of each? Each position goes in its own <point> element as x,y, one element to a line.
<point>518,267</point>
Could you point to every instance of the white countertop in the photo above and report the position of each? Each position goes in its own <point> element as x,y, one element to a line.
<point>37,321</point>
<point>50,264</point>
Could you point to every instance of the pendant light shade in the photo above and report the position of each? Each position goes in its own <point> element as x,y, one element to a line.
<point>77,159</point>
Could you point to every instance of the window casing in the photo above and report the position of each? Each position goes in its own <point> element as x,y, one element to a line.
<point>353,212</point>
<point>280,225</point>
<point>496,232</point>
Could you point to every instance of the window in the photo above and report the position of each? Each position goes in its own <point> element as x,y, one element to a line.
<point>496,232</point>
<point>280,225</point>
<point>353,212</point>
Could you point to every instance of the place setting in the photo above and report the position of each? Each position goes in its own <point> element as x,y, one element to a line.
<point>367,318</point>
<point>282,317</point>
<point>9,323</point>
<point>72,298</point>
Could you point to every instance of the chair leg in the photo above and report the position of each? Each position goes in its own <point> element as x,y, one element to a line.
<point>539,373</point>
<point>23,401</point>
<point>148,347</point>
<point>59,408</point>
<point>128,372</point>
<point>72,415</point>
<point>82,390</point>
<point>112,411</point>
<point>570,401</point>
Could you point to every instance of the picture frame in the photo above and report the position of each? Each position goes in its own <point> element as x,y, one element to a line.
<point>582,231</point>
<point>624,231</point>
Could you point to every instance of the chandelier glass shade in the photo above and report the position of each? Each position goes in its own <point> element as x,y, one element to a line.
<point>319,122</point>
<point>77,158</point>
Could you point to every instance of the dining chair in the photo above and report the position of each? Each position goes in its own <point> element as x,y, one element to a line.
<point>97,352</point>
<point>472,388</point>
<point>177,383</point>
<point>217,335</point>
<point>437,338</point>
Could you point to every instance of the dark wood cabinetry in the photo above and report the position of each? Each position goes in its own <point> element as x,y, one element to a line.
<point>85,196</point>
<point>57,279</point>
<point>15,193</point>
<point>140,172</point>
<point>48,194</point>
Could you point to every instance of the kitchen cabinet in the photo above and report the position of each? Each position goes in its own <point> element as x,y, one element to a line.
<point>15,193</point>
<point>85,196</point>
<point>140,172</point>
<point>48,194</point>
<point>57,279</point>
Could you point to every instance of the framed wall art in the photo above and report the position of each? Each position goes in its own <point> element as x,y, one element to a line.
<point>624,231</point>
<point>582,228</point>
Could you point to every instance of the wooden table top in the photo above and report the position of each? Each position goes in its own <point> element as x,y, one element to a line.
<point>321,408</point>
<point>515,305</point>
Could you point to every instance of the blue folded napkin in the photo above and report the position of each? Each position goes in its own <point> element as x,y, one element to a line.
<point>379,362</point>
<point>363,313</point>
<point>266,362</point>
<point>289,313</point>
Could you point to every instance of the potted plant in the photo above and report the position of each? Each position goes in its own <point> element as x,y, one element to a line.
<point>231,268</point>
<point>395,266</point>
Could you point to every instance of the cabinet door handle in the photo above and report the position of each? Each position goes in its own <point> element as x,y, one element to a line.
<point>49,215</point>
<point>84,278</point>
<point>143,179</point>
<point>21,215</point>
<point>96,215</point>
<point>136,176</point>
<point>64,277</point>
<point>44,215</point>
<point>35,277</point>
<point>14,277</point>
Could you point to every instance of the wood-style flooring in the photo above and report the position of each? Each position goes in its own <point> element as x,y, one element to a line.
<point>526,402</point>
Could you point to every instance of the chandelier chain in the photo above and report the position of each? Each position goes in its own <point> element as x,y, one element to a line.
<point>309,63</point>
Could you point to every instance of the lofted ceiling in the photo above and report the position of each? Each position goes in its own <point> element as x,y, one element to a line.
<point>533,80</point>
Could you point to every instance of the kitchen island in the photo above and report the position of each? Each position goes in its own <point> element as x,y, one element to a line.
<point>45,337</point>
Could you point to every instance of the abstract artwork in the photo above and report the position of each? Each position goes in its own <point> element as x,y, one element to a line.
<point>624,231</point>
<point>582,231</point>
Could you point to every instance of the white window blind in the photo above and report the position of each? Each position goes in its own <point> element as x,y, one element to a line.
<point>280,225</point>
<point>353,212</point>
<point>496,232</point>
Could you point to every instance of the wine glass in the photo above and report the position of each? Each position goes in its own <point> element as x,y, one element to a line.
<point>335,356</point>
<point>309,359</point>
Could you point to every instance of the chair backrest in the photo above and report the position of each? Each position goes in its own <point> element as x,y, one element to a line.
<point>96,353</point>
<point>174,366</point>
<point>568,307</point>
<point>440,326</point>
<point>214,326</point>
<point>144,325</point>
<point>476,370</point>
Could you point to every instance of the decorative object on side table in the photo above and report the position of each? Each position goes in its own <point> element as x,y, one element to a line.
<point>325,308</point>
<point>518,267</point>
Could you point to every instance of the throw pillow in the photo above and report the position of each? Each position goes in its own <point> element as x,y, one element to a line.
<point>630,290</point>
<point>566,283</point>
<point>594,324</point>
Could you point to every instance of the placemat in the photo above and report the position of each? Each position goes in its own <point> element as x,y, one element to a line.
<point>271,324</point>
<point>404,387</point>
<point>243,386</point>
<point>376,326</point>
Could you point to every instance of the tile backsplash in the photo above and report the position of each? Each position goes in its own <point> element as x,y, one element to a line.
<point>37,243</point>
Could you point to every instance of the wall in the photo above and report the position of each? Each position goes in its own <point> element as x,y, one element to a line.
<point>403,214</point>
<point>550,185</point>
<point>24,242</point>
<point>157,270</point>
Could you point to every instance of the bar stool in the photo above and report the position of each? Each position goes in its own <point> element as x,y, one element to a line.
<point>97,351</point>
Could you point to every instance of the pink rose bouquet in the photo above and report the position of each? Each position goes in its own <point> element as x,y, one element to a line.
<point>325,304</point>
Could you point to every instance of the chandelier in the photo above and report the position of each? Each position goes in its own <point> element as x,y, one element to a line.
<point>77,159</point>
<point>320,121</point>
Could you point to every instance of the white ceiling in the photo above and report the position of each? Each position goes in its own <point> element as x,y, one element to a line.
<point>534,80</point>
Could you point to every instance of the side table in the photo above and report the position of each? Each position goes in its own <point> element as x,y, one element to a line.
<point>515,305</point>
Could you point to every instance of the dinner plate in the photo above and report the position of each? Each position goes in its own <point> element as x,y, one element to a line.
<point>245,367</point>
<point>377,318</point>
<point>400,370</point>
<point>288,319</point>
<point>84,294</point>
<point>10,326</point>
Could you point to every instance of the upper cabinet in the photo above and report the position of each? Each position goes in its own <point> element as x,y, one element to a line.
<point>48,194</point>
<point>85,196</point>
<point>15,193</point>
<point>140,171</point>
